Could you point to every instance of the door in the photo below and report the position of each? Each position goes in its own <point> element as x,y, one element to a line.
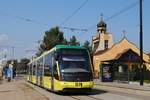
<point>52,76</point>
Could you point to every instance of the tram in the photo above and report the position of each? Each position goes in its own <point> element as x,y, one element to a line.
<point>62,68</point>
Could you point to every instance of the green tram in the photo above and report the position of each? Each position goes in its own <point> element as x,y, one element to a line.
<point>62,68</point>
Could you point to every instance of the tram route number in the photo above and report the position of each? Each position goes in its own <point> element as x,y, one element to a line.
<point>78,84</point>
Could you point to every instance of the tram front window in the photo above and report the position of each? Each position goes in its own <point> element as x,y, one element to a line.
<point>74,64</point>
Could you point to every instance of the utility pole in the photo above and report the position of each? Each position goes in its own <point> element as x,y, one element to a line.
<point>141,43</point>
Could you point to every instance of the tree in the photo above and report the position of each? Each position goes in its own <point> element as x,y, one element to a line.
<point>22,66</point>
<point>65,42</point>
<point>51,38</point>
<point>88,46</point>
<point>73,41</point>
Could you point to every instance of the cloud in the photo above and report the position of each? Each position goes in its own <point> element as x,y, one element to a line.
<point>4,39</point>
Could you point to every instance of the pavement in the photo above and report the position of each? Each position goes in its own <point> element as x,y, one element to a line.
<point>18,90</point>
<point>131,87</point>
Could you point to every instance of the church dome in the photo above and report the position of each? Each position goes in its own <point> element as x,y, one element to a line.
<point>101,24</point>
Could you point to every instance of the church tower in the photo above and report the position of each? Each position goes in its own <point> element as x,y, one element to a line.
<point>103,40</point>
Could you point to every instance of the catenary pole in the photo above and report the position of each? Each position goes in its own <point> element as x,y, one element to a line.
<point>141,42</point>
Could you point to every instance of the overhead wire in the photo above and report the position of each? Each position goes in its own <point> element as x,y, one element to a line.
<point>117,14</point>
<point>23,18</point>
<point>74,29</point>
<point>70,16</point>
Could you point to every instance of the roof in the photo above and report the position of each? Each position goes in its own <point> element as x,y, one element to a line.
<point>100,52</point>
<point>101,24</point>
<point>68,47</point>
<point>119,48</point>
<point>120,54</point>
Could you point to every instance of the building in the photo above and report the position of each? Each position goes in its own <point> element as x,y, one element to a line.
<point>119,57</point>
<point>103,39</point>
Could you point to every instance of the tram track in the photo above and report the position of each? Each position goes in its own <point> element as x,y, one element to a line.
<point>85,97</point>
<point>94,98</point>
<point>76,98</point>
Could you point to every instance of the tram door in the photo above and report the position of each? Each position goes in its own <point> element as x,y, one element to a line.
<point>52,76</point>
<point>30,72</point>
<point>40,72</point>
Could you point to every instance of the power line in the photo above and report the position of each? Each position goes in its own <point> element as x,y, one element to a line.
<point>23,18</point>
<point>36,22</point>
<point>122,11</point>
<point>118,13</point>
<point>69,17</point>
<point>74,29</point>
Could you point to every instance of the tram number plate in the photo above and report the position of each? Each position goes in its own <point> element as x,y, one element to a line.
<point>78,84</point>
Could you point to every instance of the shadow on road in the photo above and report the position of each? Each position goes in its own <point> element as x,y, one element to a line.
<point>77,93</point>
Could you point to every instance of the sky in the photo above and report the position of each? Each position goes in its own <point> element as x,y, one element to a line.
<point>23,22</point>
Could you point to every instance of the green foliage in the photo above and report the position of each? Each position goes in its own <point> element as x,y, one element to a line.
<point>65,42</point>
<point>51,38</point>
<point>22,66</point>
<point>54,37</point>
<point>88,46</point>
<point>136,71</point>
<point>73,41</point>
<point>24,60</point>
<point>147,81</point>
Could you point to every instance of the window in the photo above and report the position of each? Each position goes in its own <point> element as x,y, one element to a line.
<point>30,69</point>
<point>106,44</point>
<point>40,67</point>
<point>48,65</point>
<point>34,69</point>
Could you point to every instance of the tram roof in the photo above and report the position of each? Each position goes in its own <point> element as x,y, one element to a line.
<point>57,47</point>
<point>69,47</point>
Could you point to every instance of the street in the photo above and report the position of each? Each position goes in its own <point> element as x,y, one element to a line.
<point>22,90</point>
<point>98,93</point>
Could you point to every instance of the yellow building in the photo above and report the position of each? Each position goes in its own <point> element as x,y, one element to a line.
<point>121,56</point>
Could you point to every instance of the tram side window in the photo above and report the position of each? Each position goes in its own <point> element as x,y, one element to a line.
<point>48,65</point>
<point>34,69</point>
<point>30,69</point>
<point>40,67</point>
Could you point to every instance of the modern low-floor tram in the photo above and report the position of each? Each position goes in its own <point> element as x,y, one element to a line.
<point>62,68</point>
